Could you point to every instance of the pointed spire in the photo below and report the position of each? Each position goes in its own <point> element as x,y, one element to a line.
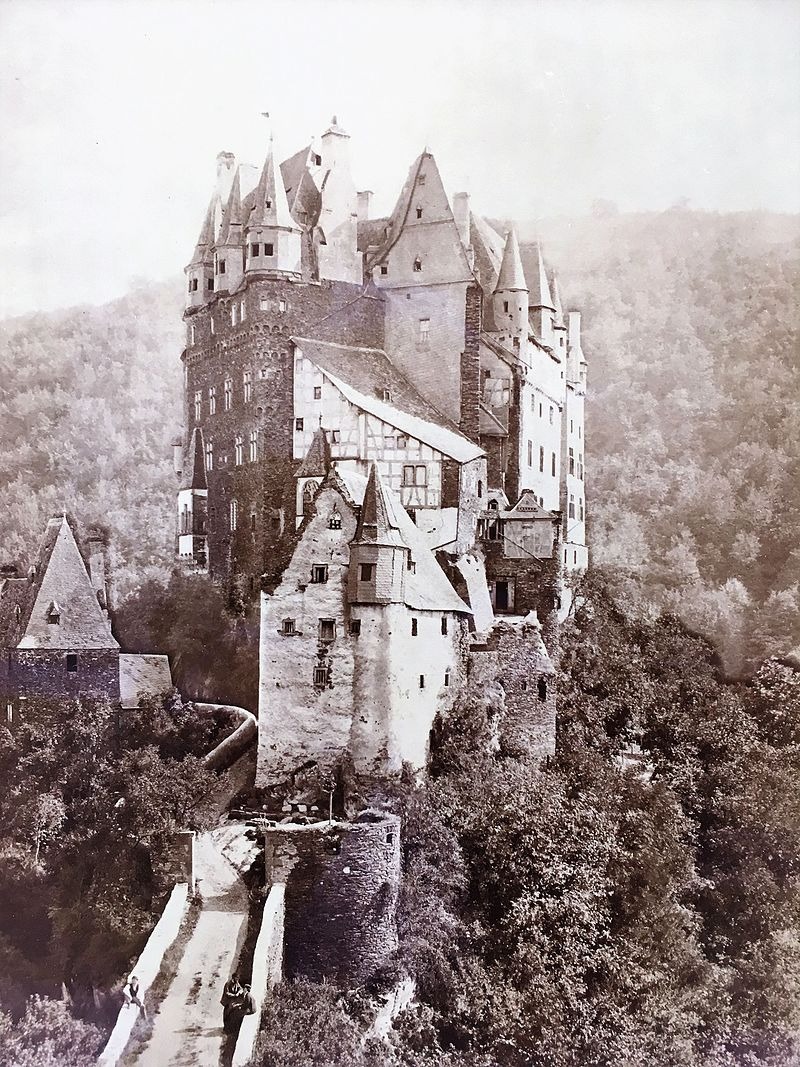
<point>512,276</point>
<point>231,229</point>
<point>559,307</point>
<point>198,475</point>
<point>270,207</point>
<point>374,523</point>
<point>541,296</point>
<point>205,241</point>
<point>317,460</point>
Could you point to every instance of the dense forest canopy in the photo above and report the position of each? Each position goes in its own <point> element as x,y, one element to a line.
<point>693,428</point>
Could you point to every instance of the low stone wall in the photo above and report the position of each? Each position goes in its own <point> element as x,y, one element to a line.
<point>267,971</point>
<point>235,744</point>
<point>146,969</point>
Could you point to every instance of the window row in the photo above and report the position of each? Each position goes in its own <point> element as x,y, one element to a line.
<point>576,466</point>
<point>571,507</point>
<point>238,309</point>
<point>551,409</point>
<point>227,395</point>
<point>553,461</point>
<point>238,450</point>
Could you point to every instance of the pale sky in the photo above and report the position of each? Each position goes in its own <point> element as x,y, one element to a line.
<point>112,113</point>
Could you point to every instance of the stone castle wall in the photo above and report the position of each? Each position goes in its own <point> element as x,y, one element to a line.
<point>45,673</point>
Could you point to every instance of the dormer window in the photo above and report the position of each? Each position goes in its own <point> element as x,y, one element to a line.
<point>419,212</point>
<point>335,520</point>
<point>417,265</point>
<point>54,614</point>
<point>267,203</point>
<point>386,395</point>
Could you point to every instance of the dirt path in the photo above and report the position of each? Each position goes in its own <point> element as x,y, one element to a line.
<point>187,1029</point>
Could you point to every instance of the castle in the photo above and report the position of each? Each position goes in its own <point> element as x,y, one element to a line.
<point>385,442</point>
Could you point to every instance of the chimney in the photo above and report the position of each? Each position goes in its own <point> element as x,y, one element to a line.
<point>97,569</point>
<point>226,169</point>
<point>461,213</point>
<point>574,329</point>
<point>364,204</point>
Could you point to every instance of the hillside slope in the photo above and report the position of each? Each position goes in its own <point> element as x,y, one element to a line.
<point>691,324</point>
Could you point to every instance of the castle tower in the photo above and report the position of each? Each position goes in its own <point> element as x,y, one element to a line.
<point>229,255</point>
<point>542,305</point>
<point>273,237</point>
<point>200,270</point>
<point>510,297</point>
<point>378,553</point>
<point>193,507</point>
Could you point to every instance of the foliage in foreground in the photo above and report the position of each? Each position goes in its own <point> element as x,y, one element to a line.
<point>85,819</point>
<point>47,1035</point>
<point>590,914</point>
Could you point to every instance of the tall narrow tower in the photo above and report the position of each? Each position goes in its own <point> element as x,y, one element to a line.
<point>273,237</point>
<point>510,297</point>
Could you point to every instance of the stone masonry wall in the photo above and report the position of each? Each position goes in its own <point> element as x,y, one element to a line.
<point>40,672</point>
<point>342,882</point>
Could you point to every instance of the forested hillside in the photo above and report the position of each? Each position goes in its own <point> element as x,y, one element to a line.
<point>693,441</point>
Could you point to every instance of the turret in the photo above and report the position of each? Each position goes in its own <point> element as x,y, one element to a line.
<point>193,506</point>
<point>542,305</point>
<point>379,556</point>
<point>510,297</point>
<point>229,255</point>
<point>559,325</point>
<point>273,237</point>
<point>576,363</point>
<point>200,271</point>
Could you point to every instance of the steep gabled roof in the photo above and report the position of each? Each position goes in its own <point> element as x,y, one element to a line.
<point>142,676</point>
<point>317,460</point>
<point>528,507</point>
<point>512,277</point>
<point>61,576</point>
<point>302,193</point>
<point>374,523</point>
<point>557,301</point>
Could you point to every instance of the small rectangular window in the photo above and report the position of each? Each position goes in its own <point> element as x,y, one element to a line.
<point>227,394</point>
<point>424,331</point>
<point>269,250</point>
<point>447,678</point>
<point>320,677</point>
<point>530,453</point>
<point>421,475</point>
<point>355,627</point>
<point>281,306</point>
<point>253,446</point>
<point>234,314</point>
<point>263,304</point>
<point>234,515</point>
<point>541,459</point>
<point>254,248</point>
<point>72,663</point>
<point>408,475</point>
<point>402,441</point>
<point>505,305</point>
<point>247,386</point>
<point>553,464</point>
<point>209,456</point>
<point>414,628</point>
<point>419,212</point>
<point>422,681</point>
<point>444,624</point>
<point>384,268</point>
<point>317,159</point>
<point>210,285</point>
<point>319,573</point>
<point>366,571</point>
<point>222,266</point>
<point>298,424</point>
<point>288,627</point>
<point>198,406</point>
<point>327,629</point>
<point>551,414</point>
<point>335,437</point>
<point>318,392</point>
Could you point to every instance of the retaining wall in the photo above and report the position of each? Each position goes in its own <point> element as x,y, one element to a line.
<point>267,971</point>
<point>146,969</point>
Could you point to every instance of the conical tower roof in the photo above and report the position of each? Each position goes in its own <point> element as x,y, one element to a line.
<point>541,296</point>
<point>512,276</point>
<point>230,232</point>
<point>557,301</point>
<point>196,475</point>
<point>205,242</point>
<point>270,206</point>
<point>317,460</point>
<point>374,522</point>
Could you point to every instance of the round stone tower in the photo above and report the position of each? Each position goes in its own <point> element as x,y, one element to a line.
<point>342,881</point>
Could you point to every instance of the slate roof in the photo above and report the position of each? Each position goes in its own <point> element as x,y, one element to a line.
<point>142,676</point>
<point>14,593</point>
<point>426,587</point>
<point>540,290</point>
<point>512,276</point>
<point>448,442</point>
<point>61,576</point>
<point>202,252</point>
<point>317,460</point>
<point>528,507</point>
<point>371,233</point>
<point>302,193</point>
<point>230,231</point>
<point>397,219</point>
<point>270,206</point>
<point>195,474</point>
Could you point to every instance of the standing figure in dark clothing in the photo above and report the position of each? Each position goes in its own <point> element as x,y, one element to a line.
<point>231,1000</point>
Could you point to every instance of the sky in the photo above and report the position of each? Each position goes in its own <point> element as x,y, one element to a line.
<point>112,113</point>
